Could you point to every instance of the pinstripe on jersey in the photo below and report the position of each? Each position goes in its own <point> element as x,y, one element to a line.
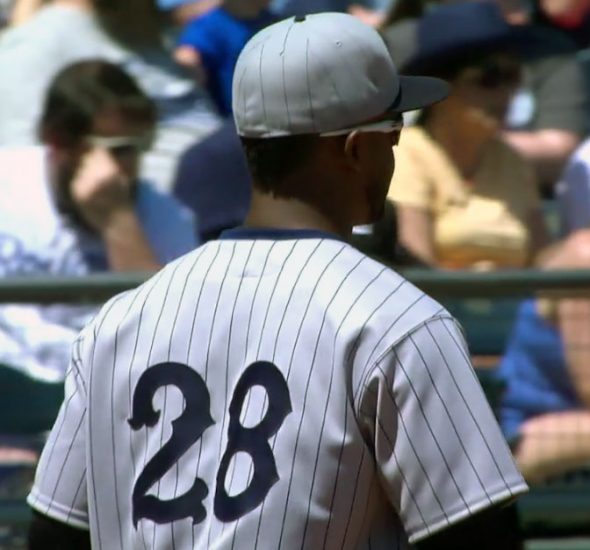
<point>318,362</point>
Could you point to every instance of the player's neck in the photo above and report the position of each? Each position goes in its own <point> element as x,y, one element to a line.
<point>280,213</point>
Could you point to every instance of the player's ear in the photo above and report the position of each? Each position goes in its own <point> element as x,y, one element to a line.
<point>352,150</point>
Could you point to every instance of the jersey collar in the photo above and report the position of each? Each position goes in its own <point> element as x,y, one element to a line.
<point>276,234</point>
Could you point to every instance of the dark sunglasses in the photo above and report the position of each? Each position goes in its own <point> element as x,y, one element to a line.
<point>121,146</point>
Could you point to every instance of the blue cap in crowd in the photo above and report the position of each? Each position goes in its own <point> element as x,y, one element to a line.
<point>451,30</point>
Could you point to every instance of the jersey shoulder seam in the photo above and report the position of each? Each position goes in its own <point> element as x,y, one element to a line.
<point>372,365</point>
<point>441,314</point>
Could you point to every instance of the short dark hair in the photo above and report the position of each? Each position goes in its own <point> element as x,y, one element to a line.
<point>83,90</point>
<point>272,160</point>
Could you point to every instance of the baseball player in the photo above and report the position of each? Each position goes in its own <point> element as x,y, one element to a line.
<point>276,388</point>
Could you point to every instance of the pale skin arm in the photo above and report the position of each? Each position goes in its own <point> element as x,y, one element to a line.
<point>573,313</point>
<point>573,252</point>
<point>553,444</point>
<point>188,57</point>
<point>548,150</point>
<point>126,243</point>
<point>574,325</point>
<point>415,232</point>
<point>374,18</point>
<point>102,193</point>
<point>23,10</point>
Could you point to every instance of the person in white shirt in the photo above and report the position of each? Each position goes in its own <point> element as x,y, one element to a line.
<point>128,34</point>
<point>76,205</point>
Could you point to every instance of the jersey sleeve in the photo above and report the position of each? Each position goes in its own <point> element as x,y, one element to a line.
<point>59,490</point>
<point>439,451</point>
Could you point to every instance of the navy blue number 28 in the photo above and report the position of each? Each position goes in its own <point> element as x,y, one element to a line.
<point>190,426</point>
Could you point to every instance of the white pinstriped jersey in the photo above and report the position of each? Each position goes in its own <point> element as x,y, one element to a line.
<point>272,391</point>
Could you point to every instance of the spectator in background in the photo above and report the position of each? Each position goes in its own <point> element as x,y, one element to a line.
<point>5,13</point>
<point>76,205</point>
<point>465,199</point>
<point>209,44</point>
<point>548,116</point>
<point>16,12</point>
<point>573,191</point>
<point>214,182</point>
<point>545,410</point>
<point>126,33</point>
<point>571,17</point>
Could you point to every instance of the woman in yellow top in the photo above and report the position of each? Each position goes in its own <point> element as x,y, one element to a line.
<point>464,198</point>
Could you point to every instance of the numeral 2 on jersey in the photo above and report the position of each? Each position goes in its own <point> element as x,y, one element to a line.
<point>191,425</point>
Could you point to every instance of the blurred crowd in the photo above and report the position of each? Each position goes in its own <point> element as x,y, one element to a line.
<point>118,152</point>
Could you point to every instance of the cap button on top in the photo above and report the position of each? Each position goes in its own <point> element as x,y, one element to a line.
<point>300,18</point>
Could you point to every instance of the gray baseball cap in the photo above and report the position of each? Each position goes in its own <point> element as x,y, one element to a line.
<point>321,73</point>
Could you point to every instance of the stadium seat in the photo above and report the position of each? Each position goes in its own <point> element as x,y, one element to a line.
<point>27,406</point>
<point>560,507</point>
<point>487,322</point>
<point>28,409</point>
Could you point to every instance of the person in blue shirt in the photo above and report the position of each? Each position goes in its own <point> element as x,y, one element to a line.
<point>545,410</point>
<point>210,44</point>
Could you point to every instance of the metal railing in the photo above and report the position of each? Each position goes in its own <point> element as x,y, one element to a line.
<point>440,284</point>
<point>536,508</point>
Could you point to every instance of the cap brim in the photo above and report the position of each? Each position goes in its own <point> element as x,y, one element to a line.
<point>417,92</point>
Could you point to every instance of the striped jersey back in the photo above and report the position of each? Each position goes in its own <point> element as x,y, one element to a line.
<point>260,393</point>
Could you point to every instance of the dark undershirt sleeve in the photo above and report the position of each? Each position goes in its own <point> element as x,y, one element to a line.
<point>48,534</point>
<point>494,528</point>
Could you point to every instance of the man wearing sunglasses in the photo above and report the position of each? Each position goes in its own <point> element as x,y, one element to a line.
<point>280,388</point>
<point>76,205</point>
<point>96,125</point>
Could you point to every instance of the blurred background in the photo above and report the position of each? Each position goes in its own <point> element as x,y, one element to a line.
<point>118,153</point>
